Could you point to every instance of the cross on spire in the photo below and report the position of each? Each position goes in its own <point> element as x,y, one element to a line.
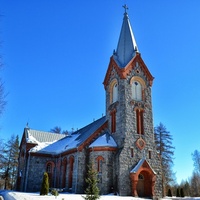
<point>125,8</point>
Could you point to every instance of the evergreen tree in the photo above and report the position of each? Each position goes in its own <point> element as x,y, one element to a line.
<point>45,185</point>
<point>92,190</point>
<point>58,130</point>
<point>195,184</point>
<point>177,192</point>
<point>9,153</point>
<point>164,146</point>
<point>196,161</point>
<point>182,192</point>
<point>169,193</point>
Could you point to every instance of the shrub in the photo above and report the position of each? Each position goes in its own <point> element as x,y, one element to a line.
<point>45,185</point>
<point>54,192</point>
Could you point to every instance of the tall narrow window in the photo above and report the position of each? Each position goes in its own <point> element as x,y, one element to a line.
<point>113,121</point>
<point>136,90</point>
<point>139,121</point>
<point>49,170</point>
<point>99,167</point>
<point>71,168</point>
<point>99,163</point>
<point>149,154</point>
<point>132,153</point>
<point>113,91</point>
<point>64,168</point>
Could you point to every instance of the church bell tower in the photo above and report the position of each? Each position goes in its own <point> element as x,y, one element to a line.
<point>128,84</point>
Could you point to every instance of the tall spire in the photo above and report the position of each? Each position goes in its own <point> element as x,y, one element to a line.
<point>127,47</point>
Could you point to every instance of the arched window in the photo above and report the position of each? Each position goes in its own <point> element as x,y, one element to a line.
<point>64,169</point>
<point>99,163</point>
<point>113,91</point>
<point>49,170</point>
<point>71,169</point>
<point>137,91</point>
<point>140,177</point>
<point>139,121</point>
<point>99,160</point>
<point>137,88</point>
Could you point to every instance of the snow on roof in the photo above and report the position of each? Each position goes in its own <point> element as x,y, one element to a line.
<point>35,136</point>
<point>69,142</point>
<point>105,140</point>
<point>140,163</point>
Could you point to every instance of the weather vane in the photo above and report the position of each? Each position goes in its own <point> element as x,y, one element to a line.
<point>125,8</point>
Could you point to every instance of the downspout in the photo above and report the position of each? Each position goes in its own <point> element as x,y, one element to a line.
<point>76,171</point>
<point>27,169</point>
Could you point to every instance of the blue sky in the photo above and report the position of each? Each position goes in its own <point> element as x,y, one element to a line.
<point>56,53</point>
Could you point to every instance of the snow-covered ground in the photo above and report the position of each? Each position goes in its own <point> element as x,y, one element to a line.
<point>35,196</point>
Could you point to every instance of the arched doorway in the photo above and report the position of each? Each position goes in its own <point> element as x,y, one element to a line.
<point>143,180</point>
<point>140,185</point>
<point>144,185</point>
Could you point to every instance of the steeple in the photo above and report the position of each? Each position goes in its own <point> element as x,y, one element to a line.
<point>127,47</point>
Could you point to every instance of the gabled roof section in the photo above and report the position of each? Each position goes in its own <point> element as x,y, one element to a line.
<point>75,141</point>
<point>105,140</point>
<point>127,47</point>
<point>35,136</point>
<point>123,72</point>
<point>142,163</point>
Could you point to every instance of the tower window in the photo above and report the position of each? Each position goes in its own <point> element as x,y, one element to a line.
<point>113,121</point>
<point>136,91</point>
<point>139,120</point>
<point>113,91</point>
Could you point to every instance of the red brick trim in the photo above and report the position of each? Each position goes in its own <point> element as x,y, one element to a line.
<point>123,72</point>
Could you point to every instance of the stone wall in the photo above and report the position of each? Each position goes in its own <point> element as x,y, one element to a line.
<point>126,134</point>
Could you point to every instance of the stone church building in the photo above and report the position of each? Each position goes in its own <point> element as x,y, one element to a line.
<point>120,144</point>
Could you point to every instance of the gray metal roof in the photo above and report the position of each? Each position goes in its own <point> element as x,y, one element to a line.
<point>32,136</point>
<point>127,47</point>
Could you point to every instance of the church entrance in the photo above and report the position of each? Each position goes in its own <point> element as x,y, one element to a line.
<point>143,180</point>
<point>144,185</point>
<point>140,185</point>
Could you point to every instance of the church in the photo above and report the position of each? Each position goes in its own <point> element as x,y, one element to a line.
<point>120,144</point>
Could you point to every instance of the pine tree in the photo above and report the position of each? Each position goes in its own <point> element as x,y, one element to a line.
<point>182,192</point>
<point>169,194</point>
<point>45,185</point>
<point>164,146</point>
<point>177,192</point>
<point>92,190</point>
<point>9,153</point>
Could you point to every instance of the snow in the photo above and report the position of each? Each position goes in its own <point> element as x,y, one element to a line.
<point>104,140</point>
<point>31,139</point>
<point>36,196</point>
<point>66,196</point>
<point>65,144</point>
